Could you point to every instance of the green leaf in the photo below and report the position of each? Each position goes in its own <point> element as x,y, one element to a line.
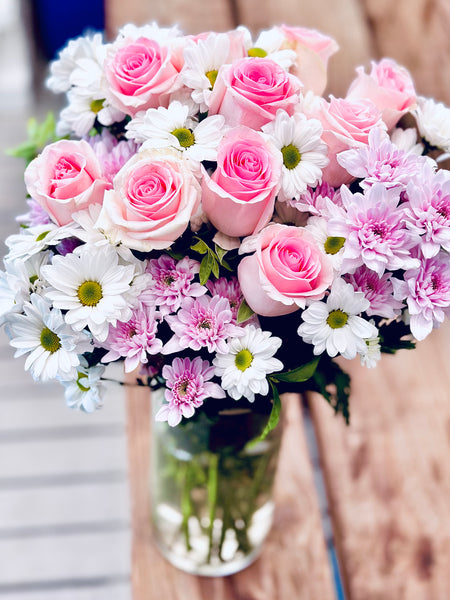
<point>215,266</point>
<point>300,374</point>
<point>244,312</point>
<point>201,247</point>
<point>220,252</point>
<point>38,136</point>
<point>205,268</point>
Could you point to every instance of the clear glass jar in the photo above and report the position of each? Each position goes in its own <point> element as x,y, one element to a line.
<point>211,490</point>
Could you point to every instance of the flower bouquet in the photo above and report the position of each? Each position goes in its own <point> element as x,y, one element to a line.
<point>201,213</point>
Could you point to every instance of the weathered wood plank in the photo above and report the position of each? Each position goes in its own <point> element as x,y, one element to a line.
<point>192,17</point>
<point>71,557</point>
<point>388,475</point>
<point>294,557</point>
<point>415,33</point>
<point>54,506</point>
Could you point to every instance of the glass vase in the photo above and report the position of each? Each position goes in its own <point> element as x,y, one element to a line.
<point>211,486</point>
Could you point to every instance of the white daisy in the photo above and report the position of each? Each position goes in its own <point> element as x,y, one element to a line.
<point>304,153</point>
<point>249,359</point>
<point>23,278</point>
<point>92,287</point>
<point>8,303</point>
<point>83,109</point>
<point>332,246</point>
<point>52,346</point>
<point>173,128</point>
<point>334,326</point>
<point>268,45</point>
<point>202,61</point>
<point>86,391</point>
<point>35,239</point>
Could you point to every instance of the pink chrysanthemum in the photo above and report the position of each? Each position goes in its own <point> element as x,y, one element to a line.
<point>427,212</point>
<point>171,283</point>
<point>35,216</point>
<point>427,293</point>
<point>381,161</point>
<point>111,153</point>
<point>374,231</point>
<point>227,288</point>
<point>187,385</point>
<point>133,340</point>
<point>315,201</point>
<point>377,290</point>
<point>203,322</point>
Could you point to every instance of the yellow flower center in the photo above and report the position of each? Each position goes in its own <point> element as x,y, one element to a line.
<point>337,319</point>
<point>50,341</point>
<point>90,293</point>
<point>184,136</point>
<point>82,387</point>
<point>257,53</point>
<point>243,359</point>
<point>96,106</point>
<point>291,156</point>
<point>212,76</point>
<point>333,244</point>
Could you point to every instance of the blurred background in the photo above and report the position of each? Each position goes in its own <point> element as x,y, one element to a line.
<point>64,501</point>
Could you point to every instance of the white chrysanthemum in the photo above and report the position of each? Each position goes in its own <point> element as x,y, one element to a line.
<point>244,368</point>
<point>79,115</point>
<point>202,61</point>
<point>334,326</point>
<point>433,121</point>
<point>304,153</point>
<point>92,287</point>
<point>85,393</point>
<point>331,245</point>
<point>22,278</point>
<point>152,31</point>
<point>35,239</point>
<point>79,63</point>
<point>8,303</point>
<point>52,346</point>
<point>372,353</point>
<point>173,128</point>
<point>406,140</point>
<point>268,45</point>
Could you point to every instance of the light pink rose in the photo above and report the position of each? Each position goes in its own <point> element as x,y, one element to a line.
<point>251,90</point>
<point>140,75</point>
<point>287,271</point>
<point>313,51</point>
<point>346,124</point>
<point>389,86</point>
<point>239,196</point>
<point>65,178</point>
<point>154,196</point>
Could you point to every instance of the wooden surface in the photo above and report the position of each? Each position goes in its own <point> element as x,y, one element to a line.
<point>294,558</point>
<point>388,475</point>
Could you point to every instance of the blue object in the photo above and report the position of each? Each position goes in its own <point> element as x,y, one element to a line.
<point>57,21</point>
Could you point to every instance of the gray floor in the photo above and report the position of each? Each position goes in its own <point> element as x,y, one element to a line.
<point>64,506</point>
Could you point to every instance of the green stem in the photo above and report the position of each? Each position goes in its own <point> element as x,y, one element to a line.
<point>213,480</point>
<point>186,506</point>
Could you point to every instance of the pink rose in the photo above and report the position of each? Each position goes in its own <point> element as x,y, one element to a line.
<point>239,196</point>
<point>313,50</point>
<point>287,271</point>
<point>346,124</point>
<point>389,86</point>
<point>154,196</point>
<point>140,75</point>
<point>65,178</point>
<point>251,90</point>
